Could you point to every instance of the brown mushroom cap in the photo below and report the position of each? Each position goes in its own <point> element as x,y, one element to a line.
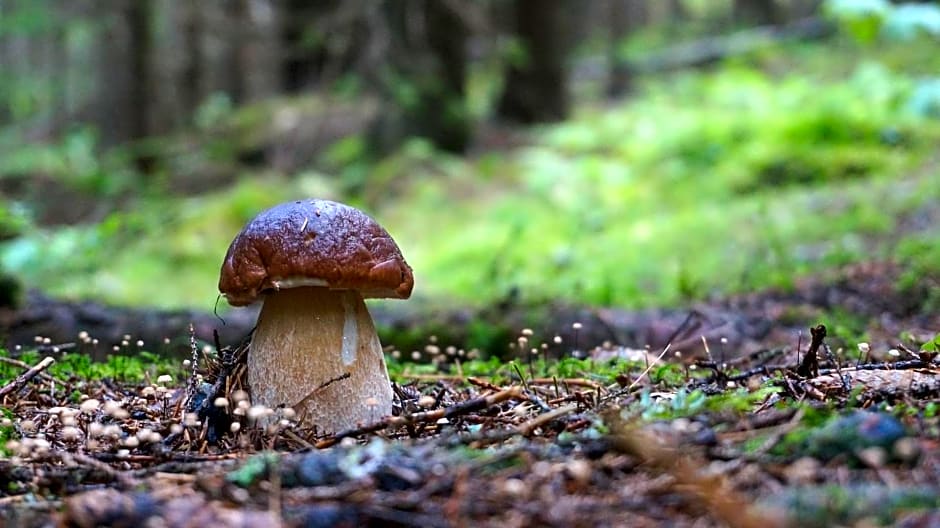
<point>313,243</point>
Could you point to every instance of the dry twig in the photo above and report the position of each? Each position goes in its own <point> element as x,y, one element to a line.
<point>464,407</point>
<point>544,418</point>
<point>23,378</point>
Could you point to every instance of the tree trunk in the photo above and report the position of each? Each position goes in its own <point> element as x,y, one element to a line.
<point>758,12</point>
<point>113,104</point>
<point>300,63</point>
<point>191,74</point>
<point>441,114</point>
<point>236,38</point>
<point>676,10</point>
<point>140,46</point>
<point>263,55</point>
<point>423,76</point>
<point>535,83</point>
<point>619,81</point>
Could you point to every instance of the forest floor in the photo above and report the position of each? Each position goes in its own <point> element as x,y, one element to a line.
<point>780,429</point>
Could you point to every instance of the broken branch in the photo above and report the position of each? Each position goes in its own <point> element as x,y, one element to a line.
<point>473,404</point>
<point>23,378</point>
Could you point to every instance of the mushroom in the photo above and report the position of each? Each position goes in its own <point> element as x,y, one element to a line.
<point>314,348</point>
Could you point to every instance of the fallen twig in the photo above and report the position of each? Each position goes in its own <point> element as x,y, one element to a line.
<point>477,380</point>
<point>26,366</point>
<point>464,407</point>
<point>125,480</point>
<point>23,378</point>
<point>526,428</point>
<point>884,383</point>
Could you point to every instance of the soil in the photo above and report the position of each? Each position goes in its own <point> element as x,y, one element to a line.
<point>464,450</point>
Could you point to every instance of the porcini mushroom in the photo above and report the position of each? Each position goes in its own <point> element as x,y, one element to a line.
<point>311,263</point>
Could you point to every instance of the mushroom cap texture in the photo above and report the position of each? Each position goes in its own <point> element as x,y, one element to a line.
<point>313,242</point>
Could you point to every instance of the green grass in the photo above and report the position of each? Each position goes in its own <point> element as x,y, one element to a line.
<point>704,182</point>
<point>79,366</point>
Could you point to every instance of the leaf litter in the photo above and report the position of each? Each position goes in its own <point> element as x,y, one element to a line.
<point>799,435</point>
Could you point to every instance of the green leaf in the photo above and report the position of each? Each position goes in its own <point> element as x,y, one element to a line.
<point>931,346</point>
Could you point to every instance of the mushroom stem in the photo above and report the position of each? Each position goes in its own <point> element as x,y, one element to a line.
<point>316,350</point>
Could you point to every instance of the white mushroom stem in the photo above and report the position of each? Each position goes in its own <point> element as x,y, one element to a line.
<point>316,350</point>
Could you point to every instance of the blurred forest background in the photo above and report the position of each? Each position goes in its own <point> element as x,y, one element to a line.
<point>622,153</point>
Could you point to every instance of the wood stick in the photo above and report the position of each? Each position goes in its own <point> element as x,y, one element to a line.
<point>23,378</point>
<point>578,382</point>
<point>533,424</point>
<point>125,480</point>
<point>464,407</point>
<point>27,366</point>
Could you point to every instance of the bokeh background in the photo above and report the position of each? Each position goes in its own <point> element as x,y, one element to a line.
<point>621,153</point>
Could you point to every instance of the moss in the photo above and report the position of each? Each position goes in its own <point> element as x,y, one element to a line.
<point>78,365</point>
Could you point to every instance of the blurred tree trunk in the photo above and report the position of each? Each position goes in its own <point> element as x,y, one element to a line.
<point>759,12</point>
<point>449,124</point>
<point>416,60</point>
<point>138,13</point>
<point>430,56</point>
<point>297,65</point>
<point>300,63</point>
<point>123,70</point>
<point>192,26</point>
<point>261,57</point>
<point>620,78</point>
<point>676,10</point>
<point>797,9</point>
<point>535,88</point>
<point>637,13</point>
<point>234,56</point>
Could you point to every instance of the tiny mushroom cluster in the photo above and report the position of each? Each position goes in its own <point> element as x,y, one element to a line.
<point>312,262</point>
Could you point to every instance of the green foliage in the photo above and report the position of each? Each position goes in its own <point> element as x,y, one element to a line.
<point>684,403</point>
<point>842,435</point>
<point>680,404</point>
<point>925,101</point>
<point>919,283</point>
<point>7,432</point>
<point>845,329</point>
<point>76,365</point>
<point>13,220</point>
<point>866,20</point>
<point>910,20</point>
<point>492,366</point>
<point>862,19</point>
<point>73,161</point>
<point>703,183</point>
<point>254,469</point>
<point>853,505</point>
<point>740,400</point>
<point>932,346</point>
<point>214,111</point>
